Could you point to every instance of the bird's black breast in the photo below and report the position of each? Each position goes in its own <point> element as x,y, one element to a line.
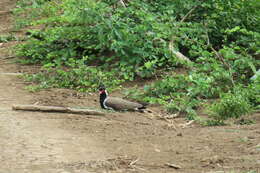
<point>102,98</point>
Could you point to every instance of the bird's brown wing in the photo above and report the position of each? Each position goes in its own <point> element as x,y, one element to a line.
<point>121,104</point>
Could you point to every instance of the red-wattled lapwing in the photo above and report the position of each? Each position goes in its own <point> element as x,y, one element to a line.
<point>115,103</point>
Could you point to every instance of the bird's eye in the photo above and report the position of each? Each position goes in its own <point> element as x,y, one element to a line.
<point>101,91</point>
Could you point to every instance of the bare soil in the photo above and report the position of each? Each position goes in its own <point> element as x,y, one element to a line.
<point>120,142</point>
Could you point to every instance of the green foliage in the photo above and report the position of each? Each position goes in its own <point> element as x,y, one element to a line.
<point>136,38</point>
<point>213,122</point>
<point>185,105</point>
<point>27,11</point>
<point>244,121</point>
<point>78,76</point>
<point>194,85</point>
<point>252,93</point>
<point>230,106</point>
<point>7,38</point>
<point>221,38</point>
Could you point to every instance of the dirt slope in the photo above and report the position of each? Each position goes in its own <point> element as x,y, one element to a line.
<point>116,143</point>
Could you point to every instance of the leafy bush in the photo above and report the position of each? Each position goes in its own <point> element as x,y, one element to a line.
<point>230,106</point>
<point>213,122</point>
<point>136,38</point>
<point>78,76</point>
<point>244,121</point>
<point>185,105</point>
<point>6,38</point>
<point>251,93</point>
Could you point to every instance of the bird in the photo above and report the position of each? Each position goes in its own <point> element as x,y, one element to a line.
<point>117,104</point>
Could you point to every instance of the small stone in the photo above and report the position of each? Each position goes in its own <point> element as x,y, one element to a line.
<point>251,137</point>
<point>179,134</point>
<point>157,150</point>
<point>252,153</point>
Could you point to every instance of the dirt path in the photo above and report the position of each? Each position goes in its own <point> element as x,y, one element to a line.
<point>117,143</point>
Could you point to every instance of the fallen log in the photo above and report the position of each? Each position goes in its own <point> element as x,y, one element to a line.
<point>56,109</point>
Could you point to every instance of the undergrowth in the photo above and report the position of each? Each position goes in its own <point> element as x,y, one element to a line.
<point>78,76</point>
<point>82,43</point>
<point>7,38</point>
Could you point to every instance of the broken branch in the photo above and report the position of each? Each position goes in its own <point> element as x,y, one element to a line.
<point>122,3</point>
<point>187,15</point>
<point>178,54</point>
<point>221,58</point>
<point>56,109</point>
<point>171,165</point>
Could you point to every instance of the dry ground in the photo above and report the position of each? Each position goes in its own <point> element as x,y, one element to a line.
<point>36,142</point>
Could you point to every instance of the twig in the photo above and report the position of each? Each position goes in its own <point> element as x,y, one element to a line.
<point>177,53</point>
<point>221,58</point>
<point>12,74</point>
<point>171,124</point>
<point>134,162</point>
<point>187,15</point>
<point>122,3</point>
<point>142,169</point>
<point>172,116</point>
<point>171,165</point>
<point>187,124</point>
<point>171,47</point>
<point>225,64</point>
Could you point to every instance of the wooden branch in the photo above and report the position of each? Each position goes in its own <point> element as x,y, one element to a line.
<point>221,58</point>
<point>122,3</point>
<point>56,109</point>
<point>171,165</point>
<point>187,124</point>
<point>178,54</point>
<point>12,74</point>
<point>187,15</point>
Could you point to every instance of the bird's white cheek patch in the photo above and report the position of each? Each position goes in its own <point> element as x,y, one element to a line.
<point>104,103</point>
<point>106,107</point>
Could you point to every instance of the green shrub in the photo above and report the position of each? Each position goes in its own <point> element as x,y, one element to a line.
<point>136,38</point>
<point>244,121</point>
<point>230,106</point>
<point>78,76</point>
<point>212,122</point>
<point>6,38</point>
<point>185,105</point>
<point>252,92</point>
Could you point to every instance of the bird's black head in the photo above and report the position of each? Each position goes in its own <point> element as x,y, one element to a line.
<point>101,87</point>
<point>102,95</point>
